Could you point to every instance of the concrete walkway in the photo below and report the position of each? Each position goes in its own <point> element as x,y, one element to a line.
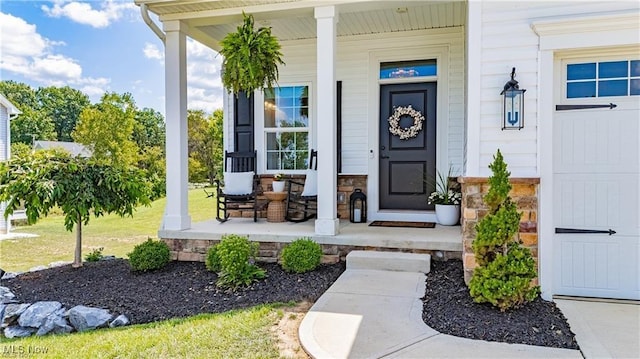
<point>377,313</point>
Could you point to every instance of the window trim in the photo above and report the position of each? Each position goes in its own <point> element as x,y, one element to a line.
<point>261,130</point>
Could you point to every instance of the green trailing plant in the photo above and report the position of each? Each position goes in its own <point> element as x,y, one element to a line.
<point>302,255</point>
<point>251,58</point>
<point>505,269</point>
<point>212,261</point>
<point>149,255</point>
<point>95,255</point>
<point>237,262</point>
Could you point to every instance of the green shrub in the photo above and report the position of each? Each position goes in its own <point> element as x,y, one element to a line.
<point>237,257</point>
<point>505,269</point>
<point>149,255</point>
<point>300,256</point>
<point>213,261</point>
<point>95,255</point>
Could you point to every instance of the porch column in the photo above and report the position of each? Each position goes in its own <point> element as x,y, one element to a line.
<point>326,19</point>
<point>176,213</point>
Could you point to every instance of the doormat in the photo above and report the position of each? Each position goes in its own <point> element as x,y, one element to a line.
<point>402,224</point>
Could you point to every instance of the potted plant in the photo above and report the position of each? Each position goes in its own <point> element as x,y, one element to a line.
<point>447,200</point>
<point>251,58</point>
<point>278,182</point>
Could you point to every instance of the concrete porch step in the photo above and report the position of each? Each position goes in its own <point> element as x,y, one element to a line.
<point>389,261</point>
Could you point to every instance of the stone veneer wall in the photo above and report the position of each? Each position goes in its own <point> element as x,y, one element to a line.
<point>524,193</point>
<point>346,185</point>
<point>194,250</point>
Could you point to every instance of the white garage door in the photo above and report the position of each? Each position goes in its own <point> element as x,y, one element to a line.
<point>597,178</point>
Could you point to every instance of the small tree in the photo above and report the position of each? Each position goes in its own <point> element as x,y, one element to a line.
<point>505,269</point>
<point>78,186</point>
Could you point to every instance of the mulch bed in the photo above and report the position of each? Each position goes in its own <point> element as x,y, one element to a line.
<point>449,309</point>
<point>184,289</point>
<point>181,289</point>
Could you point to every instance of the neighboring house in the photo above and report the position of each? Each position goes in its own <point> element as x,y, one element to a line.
<point>7,112</point>
<point>74,148</point>
<point>350,63</point>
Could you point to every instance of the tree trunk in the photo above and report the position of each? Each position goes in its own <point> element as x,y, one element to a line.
<point>77,260</point>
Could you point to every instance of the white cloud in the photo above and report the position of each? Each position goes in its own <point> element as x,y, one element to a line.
<point>84,13</point>
<point>27,53</point>
<point>203,77</point>
<point>151,51</point>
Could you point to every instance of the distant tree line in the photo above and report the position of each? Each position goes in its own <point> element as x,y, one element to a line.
<point>115,129</point>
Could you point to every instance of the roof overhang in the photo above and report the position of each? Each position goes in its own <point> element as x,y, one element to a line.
<point>11,108</point>
<point>208,21</point>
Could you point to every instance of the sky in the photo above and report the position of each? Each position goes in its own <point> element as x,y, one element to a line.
<point>98,46</point>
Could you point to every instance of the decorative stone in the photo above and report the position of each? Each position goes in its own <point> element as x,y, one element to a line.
<point>120,321</point>
<point>10,275</point>
<point>17,332</point>
<point>55,323</point>
<point>37,313</point>
<point>37,268</point>
<point>12,312</point>
<point>6,296</point>
<point>85,318</point>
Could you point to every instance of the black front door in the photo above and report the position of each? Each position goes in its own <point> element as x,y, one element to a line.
<point>407,166</point>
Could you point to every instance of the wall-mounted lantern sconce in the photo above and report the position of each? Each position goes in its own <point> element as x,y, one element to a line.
<point>513,104</point>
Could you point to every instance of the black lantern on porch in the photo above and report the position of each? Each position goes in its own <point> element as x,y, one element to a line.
<point>512,104</point>
<point>358,207</point>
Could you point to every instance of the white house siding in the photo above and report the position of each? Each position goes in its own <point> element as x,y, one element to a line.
<point>507,41</point>
<point>353,56</point>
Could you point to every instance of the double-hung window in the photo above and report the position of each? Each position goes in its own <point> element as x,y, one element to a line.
<point>287,128</point>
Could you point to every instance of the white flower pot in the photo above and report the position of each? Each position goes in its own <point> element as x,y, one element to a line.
<point>278,186</point>
<point>448,214</point>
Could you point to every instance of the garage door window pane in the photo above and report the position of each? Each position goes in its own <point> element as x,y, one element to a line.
<point>635,87</point>
<point>581,71</point>
<point>613,88</point>
<point>609,70</point>
<point>581,89</point>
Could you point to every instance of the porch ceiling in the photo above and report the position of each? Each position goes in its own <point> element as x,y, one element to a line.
<point>210,21</point>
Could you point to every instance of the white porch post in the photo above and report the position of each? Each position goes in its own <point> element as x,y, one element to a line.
<point>326,19</point>
<point>176,214</point>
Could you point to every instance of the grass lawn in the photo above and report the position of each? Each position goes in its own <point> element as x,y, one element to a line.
<point>117,235</point>
<point>235,334</point>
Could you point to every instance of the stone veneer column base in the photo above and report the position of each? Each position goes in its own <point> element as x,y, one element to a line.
<point>524,193</point>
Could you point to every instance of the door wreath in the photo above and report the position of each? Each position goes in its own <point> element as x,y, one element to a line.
<point>408,132</point>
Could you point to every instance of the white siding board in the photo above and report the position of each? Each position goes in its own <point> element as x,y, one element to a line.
<point>353,70</point>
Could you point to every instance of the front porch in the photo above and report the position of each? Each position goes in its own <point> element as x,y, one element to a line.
<point>192,244</point>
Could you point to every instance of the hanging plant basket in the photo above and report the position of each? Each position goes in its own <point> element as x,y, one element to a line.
<point>251,58</point>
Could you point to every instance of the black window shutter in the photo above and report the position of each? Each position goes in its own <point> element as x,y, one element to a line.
<point>339,123</point>
<point>243,122</point>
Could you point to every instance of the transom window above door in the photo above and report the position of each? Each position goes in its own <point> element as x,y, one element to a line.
<point>603,79</point>
<point>286,127</point>
<point>401,69</point>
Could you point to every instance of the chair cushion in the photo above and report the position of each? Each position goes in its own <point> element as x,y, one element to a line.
<point>310,184</point>
<point>236,183</point>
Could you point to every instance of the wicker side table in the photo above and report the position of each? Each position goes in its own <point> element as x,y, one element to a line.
<point>276,209</point>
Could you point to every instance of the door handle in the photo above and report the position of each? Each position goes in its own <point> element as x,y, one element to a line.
<point>583,231</point>
<point>383,156</point>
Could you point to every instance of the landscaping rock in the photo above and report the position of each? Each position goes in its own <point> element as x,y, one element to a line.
<point>37,313</point>
<point>85,318</point>
<point>12,312</point>
<point>6,296</point>
<point>17,332</point>
<point>55,323</point>
<point>37,268</point>
<point>10,275</point>
<point>120,321</point>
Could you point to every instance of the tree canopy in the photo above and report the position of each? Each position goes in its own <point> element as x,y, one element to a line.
<point>78,186</point>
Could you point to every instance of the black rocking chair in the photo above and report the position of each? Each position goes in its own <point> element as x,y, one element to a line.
<point>302,197</point>
<point>241,186</point>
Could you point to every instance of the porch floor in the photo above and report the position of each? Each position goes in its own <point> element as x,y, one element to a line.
<point>440,238</point>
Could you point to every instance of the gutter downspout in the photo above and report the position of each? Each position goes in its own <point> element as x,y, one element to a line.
<point>144,11</point>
